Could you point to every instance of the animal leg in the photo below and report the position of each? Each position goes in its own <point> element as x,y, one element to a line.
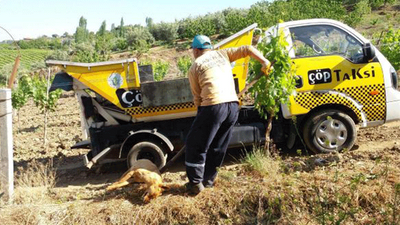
<point>123,181</point>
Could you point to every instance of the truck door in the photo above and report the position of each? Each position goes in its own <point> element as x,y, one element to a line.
<point>338,87</point>
<point>330,59</point>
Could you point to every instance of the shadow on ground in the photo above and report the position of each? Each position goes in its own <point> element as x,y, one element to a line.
<point>70,170</point>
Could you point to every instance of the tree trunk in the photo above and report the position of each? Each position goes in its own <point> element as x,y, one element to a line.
<point>268,133</point>
<point>46,112</point>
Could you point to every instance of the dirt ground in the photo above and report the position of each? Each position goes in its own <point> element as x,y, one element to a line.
<point>77,192</point>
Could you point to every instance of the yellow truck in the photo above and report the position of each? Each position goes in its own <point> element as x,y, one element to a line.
<point>343,80</point>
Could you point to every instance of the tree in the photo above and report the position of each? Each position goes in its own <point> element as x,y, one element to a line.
<point>137,33</point>
<point>102,30</point>
<point>149,22</point>
<point>121,28</point>
<point>82,22</point>
<point>235,20</point>
<point>81,33</point>
<point>65,35</point>
<point>46,101</point>
<point>85,52</point>
<point>103,46</point>
<point>114,30</point>
<point>272,91</point>
<point>167,32</point>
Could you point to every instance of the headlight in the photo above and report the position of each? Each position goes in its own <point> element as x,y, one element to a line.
<point>395,79</point>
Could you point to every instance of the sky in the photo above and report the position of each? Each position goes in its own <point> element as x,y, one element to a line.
<point>32,19</point>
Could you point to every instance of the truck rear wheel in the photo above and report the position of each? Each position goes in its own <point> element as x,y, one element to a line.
<point>329,131</point>
<point>147,150</point>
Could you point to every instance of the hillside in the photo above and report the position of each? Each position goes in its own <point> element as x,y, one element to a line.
<point>379,21</point>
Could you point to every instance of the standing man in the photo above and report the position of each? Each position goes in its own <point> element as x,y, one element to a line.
<point>213,89</point>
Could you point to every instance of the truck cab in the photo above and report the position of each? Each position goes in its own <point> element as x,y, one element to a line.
<point>343,80</point>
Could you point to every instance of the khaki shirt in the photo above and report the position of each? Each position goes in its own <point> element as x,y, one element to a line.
<point>211,78</point>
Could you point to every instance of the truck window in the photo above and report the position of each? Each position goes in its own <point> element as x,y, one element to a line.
<point>319,40</point>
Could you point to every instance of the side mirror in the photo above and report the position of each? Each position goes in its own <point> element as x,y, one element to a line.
<point>369,52</point>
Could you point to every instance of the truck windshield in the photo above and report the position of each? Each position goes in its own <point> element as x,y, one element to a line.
<point>317,40</point>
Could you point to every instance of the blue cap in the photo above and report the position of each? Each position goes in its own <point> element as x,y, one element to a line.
<point>201,41</point>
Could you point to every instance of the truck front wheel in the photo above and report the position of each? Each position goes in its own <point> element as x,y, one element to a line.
<point>329,131</point>
<point>147,150</point>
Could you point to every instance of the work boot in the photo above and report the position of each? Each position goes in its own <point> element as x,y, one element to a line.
<point>208,184</point>
<point>194,189</point>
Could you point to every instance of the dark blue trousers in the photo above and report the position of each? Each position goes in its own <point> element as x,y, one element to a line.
<point>208,140</point>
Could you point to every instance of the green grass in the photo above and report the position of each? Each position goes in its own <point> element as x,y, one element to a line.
<point>28,56</point>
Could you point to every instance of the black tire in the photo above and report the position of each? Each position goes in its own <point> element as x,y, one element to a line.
<point>147,150</point>
<point>329,131</point>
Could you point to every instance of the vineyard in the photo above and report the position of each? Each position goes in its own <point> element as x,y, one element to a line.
<point>28,56</point>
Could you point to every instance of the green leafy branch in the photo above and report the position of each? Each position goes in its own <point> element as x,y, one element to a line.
<point>271,91</point>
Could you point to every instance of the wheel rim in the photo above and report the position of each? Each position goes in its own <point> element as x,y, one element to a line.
<point>147,153</point>
<point>331,134</point>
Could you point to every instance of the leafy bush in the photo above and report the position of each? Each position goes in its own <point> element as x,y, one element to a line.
<point>361,8</point>
<point>259,13</point>
<point>138,35</point>
<point>119,44</point>
<point>209,24</point>
<point>41,43</point>
<point>306,9</point>
<point>103,46</point>
<point>184,64</point>
<point>85,52</point>
<point>141,47</point>
<point>378,3</point>
<point>271,91</point>
<point>37,66</point>
<point>186,28</point>
<point>5,72</point>
<point>59,55</point>
<point>160,69</point>
<point>22,92</point>
<point>235,20</point>
<point>40,98</point>
<point>374,4</point>
<point>390,47</point>
<point>166,32</point>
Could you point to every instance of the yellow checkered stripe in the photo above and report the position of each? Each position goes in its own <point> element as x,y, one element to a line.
<point>374,106</point>
<point>310,100</point>
<point>160,110</point>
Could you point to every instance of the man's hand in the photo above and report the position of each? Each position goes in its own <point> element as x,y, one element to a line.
<point>266,67</point>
